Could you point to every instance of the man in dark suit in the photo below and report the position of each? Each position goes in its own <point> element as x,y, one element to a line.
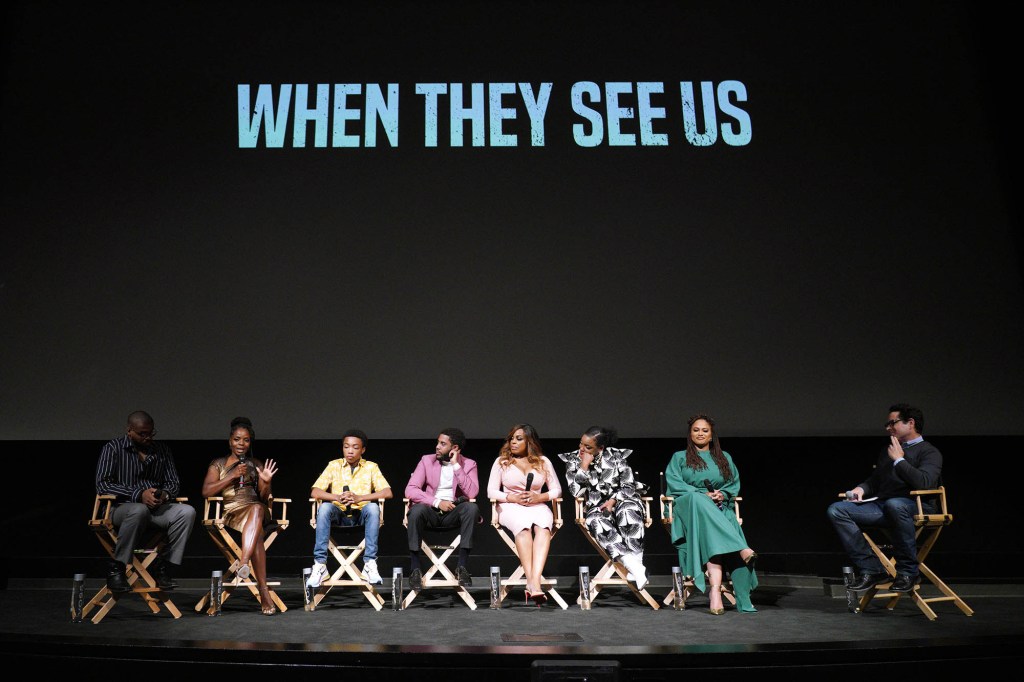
<point>439,492</point>
<point>883,501</point>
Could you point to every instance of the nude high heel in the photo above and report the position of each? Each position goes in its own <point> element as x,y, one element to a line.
<point>718,589</point>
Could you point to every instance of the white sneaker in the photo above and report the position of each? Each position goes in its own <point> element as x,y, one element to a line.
<point>370,571</point>
<point>317,575</point>
<point>636,568</point>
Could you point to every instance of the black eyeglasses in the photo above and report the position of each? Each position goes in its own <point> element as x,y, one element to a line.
<point>893,422</point>
<point>145,435</point>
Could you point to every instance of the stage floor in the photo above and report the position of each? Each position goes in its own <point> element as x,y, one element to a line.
<point>799,626</point>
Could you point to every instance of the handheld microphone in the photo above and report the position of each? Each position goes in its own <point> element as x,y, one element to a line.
<point>460,499</point>
<point>711,489</point>
<point>529,481</point>
<point>348,510</point>
<point>243,465</point>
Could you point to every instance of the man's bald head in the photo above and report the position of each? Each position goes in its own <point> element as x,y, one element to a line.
<point>140,430</point>
<point>139,418</point>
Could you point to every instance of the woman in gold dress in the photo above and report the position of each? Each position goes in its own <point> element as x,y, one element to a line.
<point>244,483</point>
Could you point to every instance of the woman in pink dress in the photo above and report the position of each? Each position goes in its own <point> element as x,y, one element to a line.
<point>517,479</point>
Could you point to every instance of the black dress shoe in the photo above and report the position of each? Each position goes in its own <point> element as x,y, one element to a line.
<point>163,577</point>
<point>117,581</point>
<point>868,580</point>
<point>903,583</point>
<point>465,579</point>
<point>416,580</point>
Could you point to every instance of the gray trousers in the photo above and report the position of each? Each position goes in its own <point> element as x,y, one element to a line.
<point>132,521</point>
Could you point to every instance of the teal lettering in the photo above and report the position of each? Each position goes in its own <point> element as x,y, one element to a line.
<point>276,121</point>
<point>710,134</point>
<point>430,91</point>
<point>616,137</point>
<point>648,137</point>
<point>736,135</point>
<point>304,114</point>
<point>474,113</point>
<point>384,110</point>
<point>498,113</point>
<point>342,114</point>
<point>536,107</point>
<point>579,131</point>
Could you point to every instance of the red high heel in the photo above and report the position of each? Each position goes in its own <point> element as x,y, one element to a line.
<point>538,598</point>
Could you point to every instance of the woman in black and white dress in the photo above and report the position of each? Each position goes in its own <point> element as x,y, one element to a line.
<point>597,474</point>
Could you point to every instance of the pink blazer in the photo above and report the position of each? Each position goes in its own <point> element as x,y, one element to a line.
<point>425,479</point>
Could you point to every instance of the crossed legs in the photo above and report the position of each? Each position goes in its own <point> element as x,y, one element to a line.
<point>715,573</point>
<point>253,550</point>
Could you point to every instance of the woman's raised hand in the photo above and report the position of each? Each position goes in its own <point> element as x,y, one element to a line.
<point>268,471</point>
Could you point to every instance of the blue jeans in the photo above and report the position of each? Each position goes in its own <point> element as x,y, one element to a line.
<point>895,515</point>
<point>330,515</point>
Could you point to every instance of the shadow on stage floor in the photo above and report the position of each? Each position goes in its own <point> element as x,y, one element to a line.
<point>802,625</point>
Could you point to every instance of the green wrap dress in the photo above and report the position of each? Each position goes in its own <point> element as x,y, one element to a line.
<point>700,530</point>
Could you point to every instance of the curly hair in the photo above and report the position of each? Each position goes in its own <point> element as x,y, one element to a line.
<point>534,453</point>
<point>693,460</point>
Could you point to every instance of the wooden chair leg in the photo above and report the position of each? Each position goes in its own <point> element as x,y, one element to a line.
<point>438,566</point>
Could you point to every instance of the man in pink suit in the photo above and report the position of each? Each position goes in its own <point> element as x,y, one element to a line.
<point>440,491</point>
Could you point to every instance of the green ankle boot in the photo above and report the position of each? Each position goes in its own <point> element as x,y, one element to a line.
<point>744,581</point>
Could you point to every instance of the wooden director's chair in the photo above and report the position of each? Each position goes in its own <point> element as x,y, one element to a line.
<point>140,580</point>
<point>612,573</point>
<point>928,528</point>
<point>518,577</point>
<point>347,574</point>
<point>447,579</point>
<point>213,522</point>
<point>667,509</point>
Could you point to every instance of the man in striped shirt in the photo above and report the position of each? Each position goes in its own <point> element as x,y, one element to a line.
<point>141,475</point>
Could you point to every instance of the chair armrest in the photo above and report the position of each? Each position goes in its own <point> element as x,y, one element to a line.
<point>667,507</point>
<point>107,502</point>
<point>283,501</point>
<point>213,502</point>
<point>494,513</point>
<point>647,510</point>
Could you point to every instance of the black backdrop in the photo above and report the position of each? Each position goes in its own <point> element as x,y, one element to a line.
<point>859,249</point>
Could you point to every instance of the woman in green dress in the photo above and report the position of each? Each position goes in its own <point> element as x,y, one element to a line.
<point>703,480</point>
